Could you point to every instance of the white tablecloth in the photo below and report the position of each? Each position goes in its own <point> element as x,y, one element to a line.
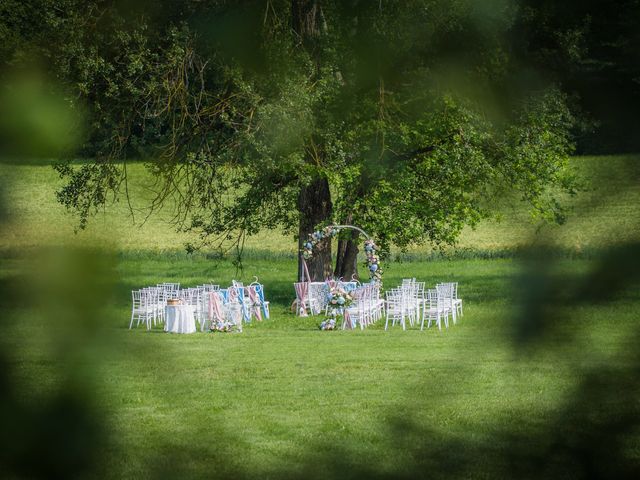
<point>318,295</point>
<point>179,319</point>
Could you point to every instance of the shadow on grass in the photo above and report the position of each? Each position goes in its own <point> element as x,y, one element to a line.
<point>592,434</point>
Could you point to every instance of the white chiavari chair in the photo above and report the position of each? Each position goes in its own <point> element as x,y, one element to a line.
<point>457,302</point>
<point>355,314</point>
<point>142,309</point>
<point>154,303</point>
<point>445,293</point>
<point>233,307</point>
<point>171,289</point>
<point>395,308</point>
<point>409,301</point>
<point>435,309</point>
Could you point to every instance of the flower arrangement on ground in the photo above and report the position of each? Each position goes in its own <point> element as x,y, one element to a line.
<point>328,324</point>
<point>221,326</point>
<point>338,300</point>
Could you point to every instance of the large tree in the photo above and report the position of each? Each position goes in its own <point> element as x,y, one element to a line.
<point>404,117</point>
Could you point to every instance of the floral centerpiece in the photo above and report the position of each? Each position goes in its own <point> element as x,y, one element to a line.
<point>339,299</point>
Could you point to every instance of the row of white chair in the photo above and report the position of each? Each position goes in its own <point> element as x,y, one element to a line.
<point>414,303</point>
<point>367,308</point>
<point>237,303</point>
<point>251,299</point>
<point>148,304</point>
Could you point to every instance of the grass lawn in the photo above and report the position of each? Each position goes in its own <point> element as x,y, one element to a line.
<point>605,212</point>
<point>284,398</point>
<point>495,396</point>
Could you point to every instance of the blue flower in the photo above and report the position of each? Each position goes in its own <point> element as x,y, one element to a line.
<point>373,267</point>
<point>340,301</point>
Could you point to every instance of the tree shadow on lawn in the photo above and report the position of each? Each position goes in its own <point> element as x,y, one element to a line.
<point>592,435</point>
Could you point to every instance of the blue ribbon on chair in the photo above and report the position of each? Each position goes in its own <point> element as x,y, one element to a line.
<point>246,314</point>
<point>349,286</point>
<point>260,292</point>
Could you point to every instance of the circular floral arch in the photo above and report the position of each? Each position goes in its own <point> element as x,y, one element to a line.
<point>330,231</point>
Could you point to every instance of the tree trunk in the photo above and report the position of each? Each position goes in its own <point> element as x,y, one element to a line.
<point>347,254</point>
<point>341,250</point>
<point>347,258</point>
<point>314,200</point>
<point>306,20</point>
<point>314,205</point>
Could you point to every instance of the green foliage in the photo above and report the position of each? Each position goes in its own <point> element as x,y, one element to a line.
<point>470,162</point>
<point>605,213</point>
<point>412,111</point>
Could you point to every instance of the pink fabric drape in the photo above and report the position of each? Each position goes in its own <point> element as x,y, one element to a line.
<point>347,320</point>
<point>215,307</point>
<point>255,303</point>
<point>302,289</point>
<point>306,270</point>
<point>232,295</point>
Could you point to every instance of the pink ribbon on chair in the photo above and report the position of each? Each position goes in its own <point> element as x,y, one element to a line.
<point>215,307</point>
<point>255,303</point>
<point>347,320</point>
<point>232,295</point>
<point>302,289</point>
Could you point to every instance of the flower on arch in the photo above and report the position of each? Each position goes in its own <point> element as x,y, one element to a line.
<point>372,262</point>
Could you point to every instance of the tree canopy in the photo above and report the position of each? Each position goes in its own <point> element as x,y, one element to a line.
<point>407,118</point>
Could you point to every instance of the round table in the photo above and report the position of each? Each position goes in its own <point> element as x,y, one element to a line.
<point>179,319</point>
